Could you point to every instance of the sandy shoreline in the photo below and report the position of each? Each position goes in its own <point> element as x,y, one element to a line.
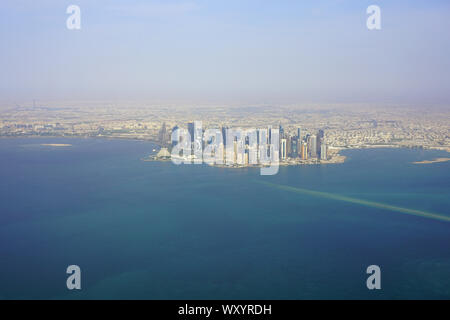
<point>432,161</point>
<point>56,145</point>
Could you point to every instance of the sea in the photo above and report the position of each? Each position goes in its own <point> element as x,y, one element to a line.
<point>156,230</point>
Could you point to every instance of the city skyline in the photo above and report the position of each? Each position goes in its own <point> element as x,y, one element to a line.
<point>239,147</point>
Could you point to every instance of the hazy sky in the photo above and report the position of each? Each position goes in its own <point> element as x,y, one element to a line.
<point>229,50</point>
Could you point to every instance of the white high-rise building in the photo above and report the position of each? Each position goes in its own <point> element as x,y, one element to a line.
<point>283,149</point>
<point>323,151</point>
<point>312,145</point>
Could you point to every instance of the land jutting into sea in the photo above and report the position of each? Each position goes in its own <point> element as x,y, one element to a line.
<point>56,145</point>
<point>437,160</point>
<point>306,128</point>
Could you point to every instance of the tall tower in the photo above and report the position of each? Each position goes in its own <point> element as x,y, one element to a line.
<point>281,131</point>
<point>320,135</point>
<point>235,152</point>
<point>191,128</point>
<point>312,145</point>
<point>294,147</point>
<point>304,151</point>
<point>323,152</point>
<point>162,136</point>
<point>269,141</point>
<point>283,149</point>
<point>288,145</point>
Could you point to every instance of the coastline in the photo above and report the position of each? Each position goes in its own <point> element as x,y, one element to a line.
<point>350,147</point>
<point>335,151</point>
<point>437,160</point>
<point>56,145</point>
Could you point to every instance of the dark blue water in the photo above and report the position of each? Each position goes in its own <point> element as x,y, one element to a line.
<point>153,230</point>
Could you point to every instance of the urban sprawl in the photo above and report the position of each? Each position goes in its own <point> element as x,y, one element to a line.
<point>307,134</point>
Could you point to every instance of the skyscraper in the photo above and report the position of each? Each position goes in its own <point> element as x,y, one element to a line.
<point>312,145</point>
<point>191,128</point>
<point>288,145</point>
<point>320,135</point>
<point>162,135</point>
<point>283,149</point>
<point>294,147</point>
<point>269,141</point>
<point>304,151</point>
<point>323,152</point>
<point>224,135</point>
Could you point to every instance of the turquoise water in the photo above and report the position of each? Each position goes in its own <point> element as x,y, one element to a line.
<point>153,230</point>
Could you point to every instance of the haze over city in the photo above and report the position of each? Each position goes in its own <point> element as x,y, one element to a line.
<point>233,52</point>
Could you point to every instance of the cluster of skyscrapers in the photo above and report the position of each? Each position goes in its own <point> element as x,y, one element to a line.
<point>303,147</point>
<point>247,146</point>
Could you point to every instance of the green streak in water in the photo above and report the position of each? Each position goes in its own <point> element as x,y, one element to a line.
<point>362,202</point>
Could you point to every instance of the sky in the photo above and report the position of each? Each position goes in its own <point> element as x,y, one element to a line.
<point>226,51</point>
